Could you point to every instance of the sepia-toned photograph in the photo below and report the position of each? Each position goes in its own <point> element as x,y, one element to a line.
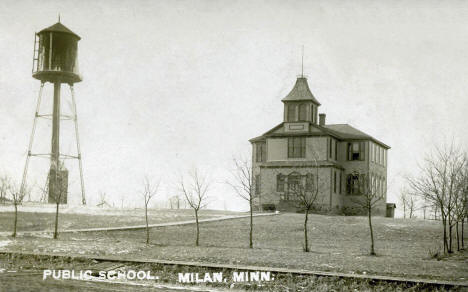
<point>233,145</point>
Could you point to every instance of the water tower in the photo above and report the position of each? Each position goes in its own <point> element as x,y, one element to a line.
<point>55,60</point>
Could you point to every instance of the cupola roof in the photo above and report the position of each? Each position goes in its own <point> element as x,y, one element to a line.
<point>301,92</point>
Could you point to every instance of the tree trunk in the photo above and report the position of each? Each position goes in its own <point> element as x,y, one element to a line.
<point>56,220</point>
<point>450,236</point>
<point>458,238</point>
<point>251,226</point>
<point>198,228</point>
<point>372,252</point>
<point>16,220</point>
<point>444,223</point>
<point>306,241</point>
<point>147,227</point>
<point>462,234</point>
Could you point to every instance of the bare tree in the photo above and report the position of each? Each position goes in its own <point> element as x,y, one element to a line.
<point>404,200</point>
<point>17,196</point>
<point>150,190</point>
<point>305,194</point>
<point>102,199</point>
<point>461,205</point>
<point>243,184</point>
<point>122,201</point>
<point>174,202</point>
<point>58,191</point>
<point>195,189</point>
<point>369,195</point>
<point>439,184</point>
<point>411,205</point>
<point>5,184</point>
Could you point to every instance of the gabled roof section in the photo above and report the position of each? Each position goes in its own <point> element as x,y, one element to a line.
<point>58,27</point>
<point>301,92</point>
<point>339,131</point>
<point>346,131</point>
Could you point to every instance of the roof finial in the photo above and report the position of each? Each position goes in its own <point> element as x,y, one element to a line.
<point>59,17</point>
<point>302,67</point>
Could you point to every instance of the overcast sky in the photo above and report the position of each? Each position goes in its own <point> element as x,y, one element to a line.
<point>173,84</point>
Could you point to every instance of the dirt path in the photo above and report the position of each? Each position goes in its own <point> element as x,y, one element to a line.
<point>134,227</point>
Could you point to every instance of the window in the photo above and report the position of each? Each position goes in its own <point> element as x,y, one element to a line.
<point>334,183</point>
<point>356,151</point>
<point>257,184</point>
<point>291,113</point>
<point>382,156</point>
<point>330,146</point>
<point>353,184</point>
<point>260,152</point>
<point>340,182</point>
<point>385,158</point>
<point>371,151</point>
<point>303,112</point>
<point>336,150</point>
<point>313,113</point>
<point>378,154</point>
<point>374,153</point>
<point>383,187</point>
<point>294,184</point>
<point>280,180</point>
<point>296,147</point>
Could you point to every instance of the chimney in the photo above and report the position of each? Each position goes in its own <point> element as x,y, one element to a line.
<point>322,119</point>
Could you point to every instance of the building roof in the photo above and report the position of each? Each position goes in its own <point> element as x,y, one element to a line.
<point>59,27</point>
<point>301,92</point>
<point>339,131</point>
<point>298,164</point>
<point>346,131</point>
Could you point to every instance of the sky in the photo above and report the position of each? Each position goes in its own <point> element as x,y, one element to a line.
<point>172,85</point>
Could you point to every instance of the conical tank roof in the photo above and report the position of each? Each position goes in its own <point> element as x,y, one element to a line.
<point>59,27</point>
<point>301,92</point>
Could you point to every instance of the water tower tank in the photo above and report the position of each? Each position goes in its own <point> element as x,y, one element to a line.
<point>56,55</point>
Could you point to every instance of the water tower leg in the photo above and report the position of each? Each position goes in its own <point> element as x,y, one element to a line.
<point>55,166</point>
<point>31,140</point>
<point>75,118</point>
<point>56,128</point>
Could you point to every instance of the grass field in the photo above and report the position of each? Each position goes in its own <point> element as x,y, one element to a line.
<point>38,221</point>
<point>337,244</point>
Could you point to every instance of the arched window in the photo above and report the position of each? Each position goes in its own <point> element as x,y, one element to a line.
<point>294,185</point>
<point>303,112</point>
<point>352,184</point>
